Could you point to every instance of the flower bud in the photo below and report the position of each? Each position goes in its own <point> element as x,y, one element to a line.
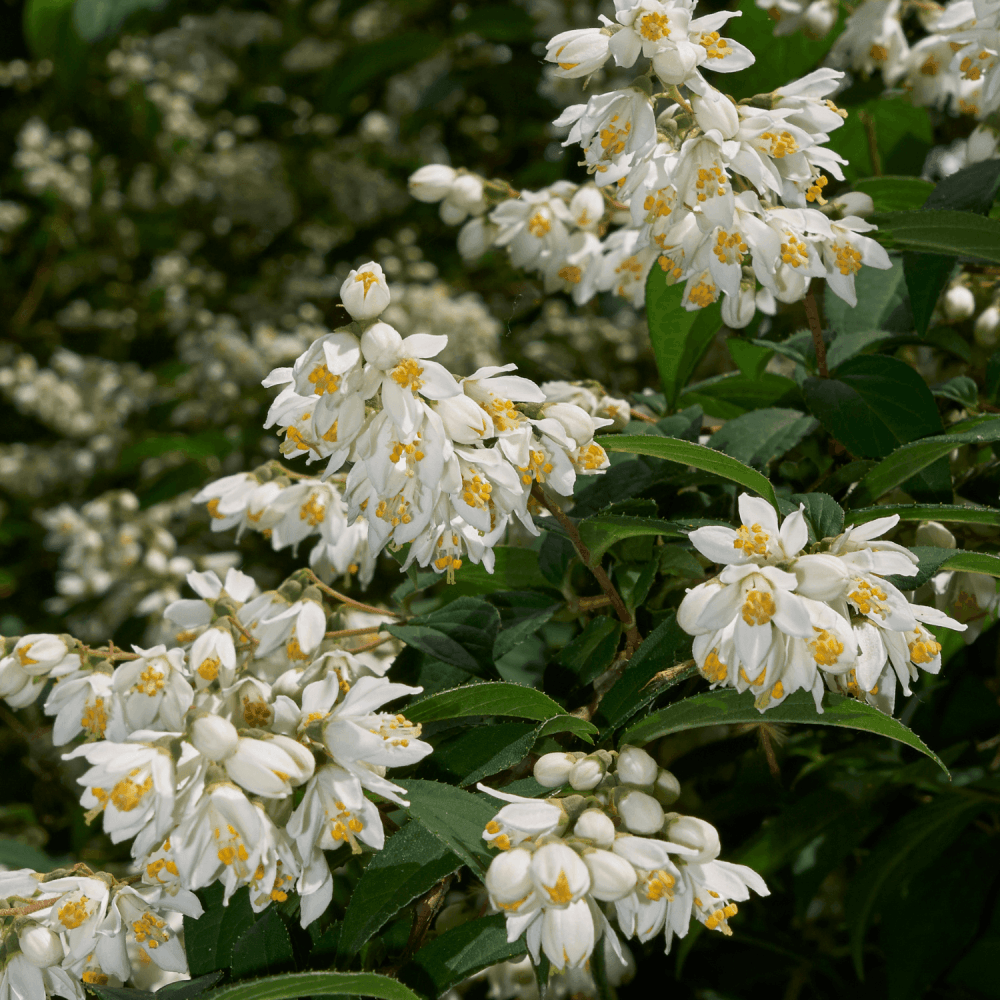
<point>987,325</point>
<point>552,769</point>
<point>981,144</point>
<point>611,876</point>
<point>636,767</point>
<point>475,238</point>
<point>958,303</point>
<point>381,345</point>
<point>465,421</point>
<point>508,879</point>
<point>587,207</point>
<point>714,110</point>
<point>595,825</point>
<point>855,203</point>
<point>576,421</point>
<point>40,653</point>
<point>13,676</point>
<point>365,292</point>
<point>578,52</point>
<point>587,773</point>
<point>934,533</point>
<point>667,788</point>
<point>819,18</point>
<point>213,737</point>
<point>689,831</point>
<point>738,310</point>
<point>431,183</point>
<point>639,812</point>
<point>559,875</point>
<point>39,945</point>
<point>467,193</point>
<point>675,65</point>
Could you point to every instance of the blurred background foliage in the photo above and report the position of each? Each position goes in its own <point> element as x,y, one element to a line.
<point>182,189</point>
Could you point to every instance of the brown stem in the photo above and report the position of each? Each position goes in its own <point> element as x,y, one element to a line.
<point>593,603</point>
<point>768,746</point>
<point>868,123</point>
<point>639,415</point>
<point>816,329</point>
<point>632,637</point>
<point>20,911</point>
<point>344,599</point>
<point>238,625</point>
<point>426,910</point>
<point>344,633</point>
<point>669,674</point>
<point>370,645</point>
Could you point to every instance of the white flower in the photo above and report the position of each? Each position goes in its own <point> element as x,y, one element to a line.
<point>76,914</point>
<point>40,654</point>
<point>553,769</point>
<point>579,52</point>
<point>214,737</point>
<point>212,653</point>
<point>333,812</point>
<point>153,690</point>
<point>873,39</point>
<point>270,766</point>
<point>758,540</point>
<point>365,292</point>
<point>39,945</point>
<point>432,183</point>
<point>958,303</point>
<point>23,980</point>
<point>82,702</point>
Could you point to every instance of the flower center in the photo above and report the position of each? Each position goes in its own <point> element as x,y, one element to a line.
<point>660,885</point>
<point>323,381</point>
<point>367,278</point>
<point>758,607</point>
<point>654,26</point>
<point>826,648</point>
<point>752,540</point>
<point>869,598</point>
<point>538,225</point>
<point>713,668</point>
<point>407,375</point>
<point>560,893</point>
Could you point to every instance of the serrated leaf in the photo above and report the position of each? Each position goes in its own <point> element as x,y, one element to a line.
<point>929,512</point>
<point>675,561</point>
<point>409,865</point>
<point>315,984</point>
<point>263,946</point>
<point>461,633</point>
<point>972,562</point>
<point>602,531</point>
<point>696,455</point>
<point>823,512</point>
<point>958,234</point>
<point>879,294</point>
<point>459,953</point>
<point>924,832</point>
<point>733,394</point>
<point>209,940</point>
<point>759,437</point>
<point>456,817</point>
<point>895,194</point>
<point>960,389</point>
<point>590,653</point>
<point>492,698</point>
<point>926,275</point>
<point>751,356</point>
<point>659,650</point>
<point>476,752</point>
<point>908,460</point>
<point>991,384</point>
<point>729,707</point>
<point>522,615</point>
<point>513,569</point>
<point>679,337</point>
<point>873,404</point>
<point>971,189</point>
<point>190,988</point>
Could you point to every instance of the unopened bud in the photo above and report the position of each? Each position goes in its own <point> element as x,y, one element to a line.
<point>987,325</point>
<point>635,767</point>
<point>819,18</point>
<point>667,788</point>
<point>587,773</point>
<point>611,876</point>
<point>689,831</point>
<point>552,769</point>
<point>364,292</point>
<point>596,826</point>
<point>432,183</point>
<point>213,737</point>
<point>934,533</point>
<point>40,946</point>
<point>640,813</point>
<point>958,302</point>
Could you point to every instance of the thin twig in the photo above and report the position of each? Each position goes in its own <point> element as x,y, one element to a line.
<point>344,633</point>
<point>868,124</point>
<point>36,290</point>
<point>370,645</point>
<point>772,759</point>
<point>344,599</point>
<point>593,603</point>
<point>20,911</point>
<point>632,637</point>
<point>667,675</point>
<point>639,415</point>
<point>816,329</point>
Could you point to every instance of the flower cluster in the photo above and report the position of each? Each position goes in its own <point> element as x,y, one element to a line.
<point>779,618</point>
<point>441,463</point>
<point>566,859</point>
<point>727,198</point>
<point>75,930</point>
<point>194,751</point>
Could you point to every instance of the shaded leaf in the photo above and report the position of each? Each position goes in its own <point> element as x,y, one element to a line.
<point>929,512</point>
<point>94,19</point>
<point>602,531</point>
<point>879,294</point>
<point>730,395</point>
<point>461,633</point>
<point>961,234</point>
<point>823,512</point>
<point>263,946</point>
<point>961,389</point>
<point>513,569</point>
<point>495,698</point>
<point>209,940</point>
<point>895,194</point>
<point>315,984</point>
<point>590,653</point>
<point>758,437</point>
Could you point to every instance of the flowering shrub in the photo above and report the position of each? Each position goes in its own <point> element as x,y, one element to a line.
<point>493,624</point>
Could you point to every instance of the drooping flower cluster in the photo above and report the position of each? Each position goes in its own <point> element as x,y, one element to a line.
<point>779,618</point>
<point>89,929</point>
<point>442,463</point>
<point>566,860</point>
<point>727,198</point>
<point>194,751</point>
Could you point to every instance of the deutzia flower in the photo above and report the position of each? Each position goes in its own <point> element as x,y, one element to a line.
<point>364,292</point>
<point>154,691</point>
<point>579,52</point>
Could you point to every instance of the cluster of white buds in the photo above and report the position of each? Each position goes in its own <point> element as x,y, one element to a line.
<point>571,863</point>
<point>70,930</point>
<point>439,462</point>
<point>952,65</point>
<point>726,197</point>
<point>959,303</point>
<point>195,750</point>
<point>778,618</point>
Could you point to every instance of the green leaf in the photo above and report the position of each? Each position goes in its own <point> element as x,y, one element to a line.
<point>513,569</point>
<point>14,854</point>
<point>679,337</point>
<point>961,234</point>
<point>879,294</point>
<point>929,512</point>
<point>263,946</point>
<point>494,698</point>
<point>874,404</point>
<point>209,940</point>
<point>751,356</point>
<point>456,817</point>
<point>590,653</point>
<point>411,862</point>
<point>971,189</point>
<point>95,19</point>
<point>315,984</point>
<point>758,437</point>
<point>602,531</point>
<point>902,134</point>
<point>372,61</point>
<point>972,562</point>
<point>522,614</point>
<point>926,275</point>
<point>190,988</point>
<point>991,385</point>
<point>923,833</point>
<point>459,953</point>
<point>659,651</point>
<point>961,389</point>
<point>476,752</point>
<point>461,633</point>
<point>905,462</point>
<point>895,194</point>
<point>498,23</point>
<point>730,395</point>
<point>823,512</point>
<point>728,707</point>
<point>697,455</point>
<point>675,561</point>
